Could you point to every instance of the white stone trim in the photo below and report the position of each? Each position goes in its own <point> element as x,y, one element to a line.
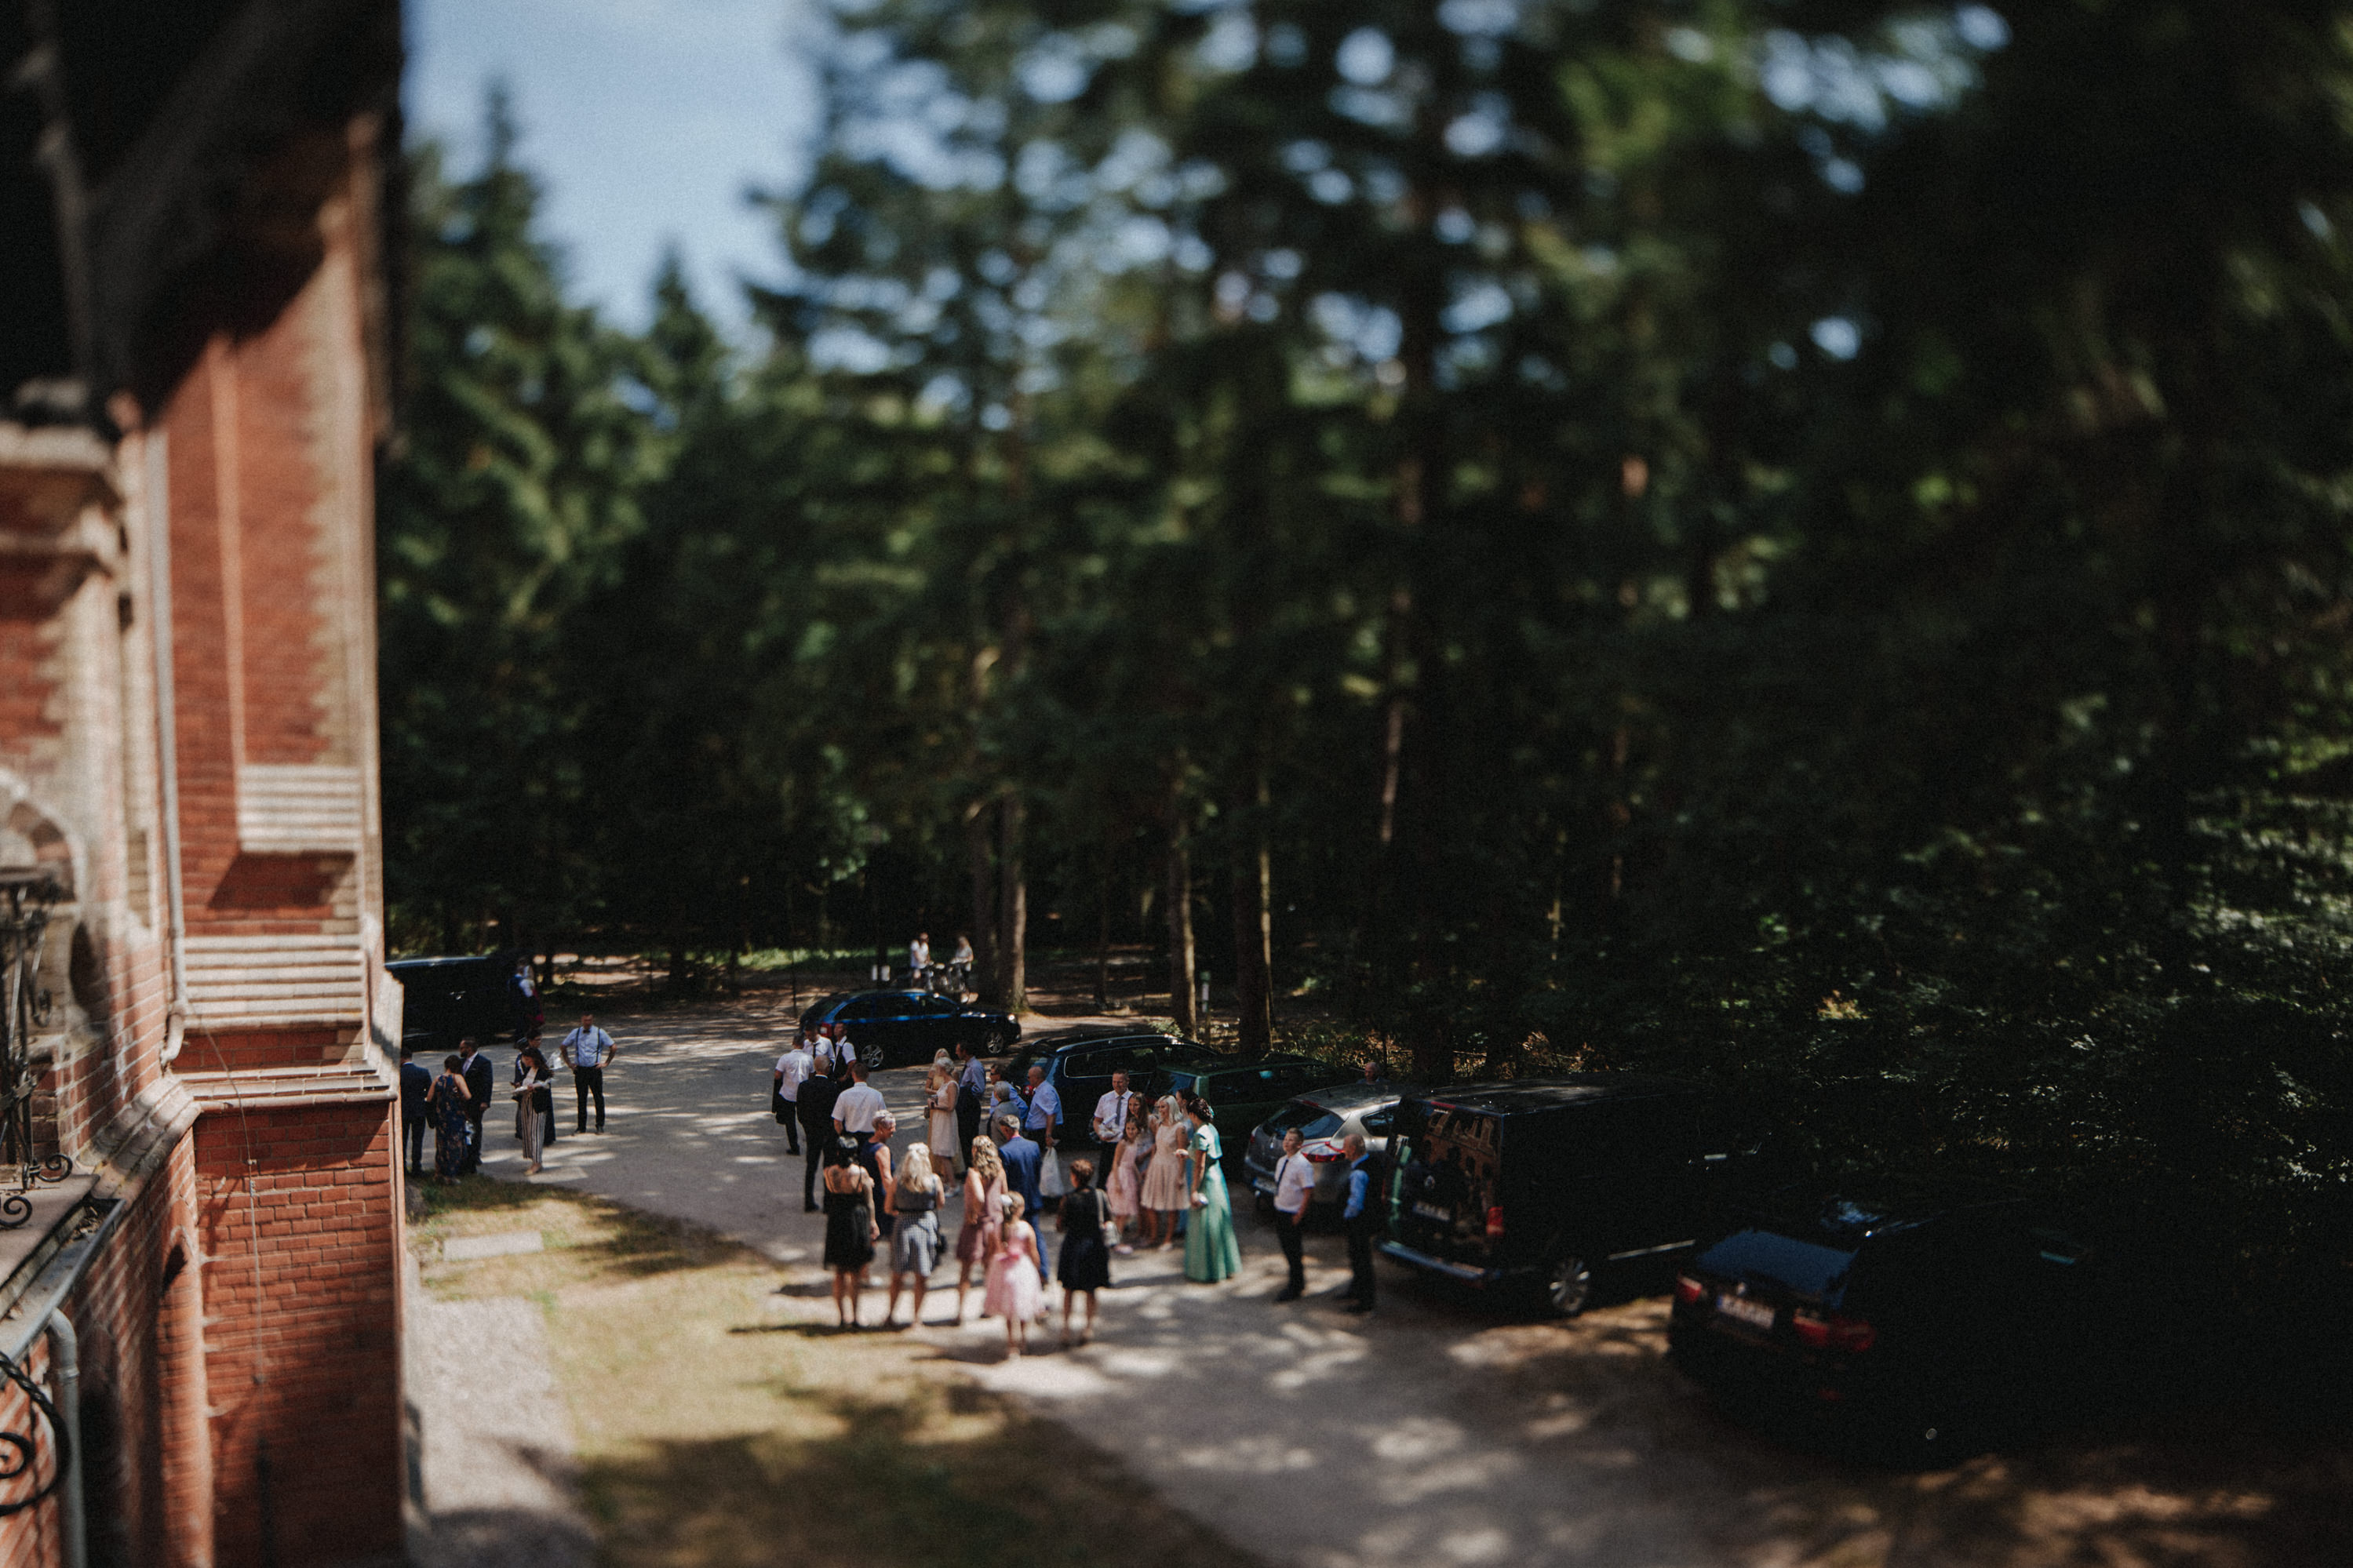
<point>274,979</point>
<point>292,808</point>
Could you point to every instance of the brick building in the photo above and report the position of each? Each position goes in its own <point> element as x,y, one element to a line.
<point>198,1139</point>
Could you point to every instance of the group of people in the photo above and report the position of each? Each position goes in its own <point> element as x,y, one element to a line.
<point>455,1101</point>
<point>951,972</point>
<point>1162,1185</point>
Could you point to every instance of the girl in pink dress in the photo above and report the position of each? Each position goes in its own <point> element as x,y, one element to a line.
<point>1126,1187</point>
<point>1015,1292</point>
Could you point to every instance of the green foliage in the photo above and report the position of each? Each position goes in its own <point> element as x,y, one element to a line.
<point>1804,545</point>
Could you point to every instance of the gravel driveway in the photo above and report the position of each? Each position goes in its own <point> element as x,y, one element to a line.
<point>1436,1432</point>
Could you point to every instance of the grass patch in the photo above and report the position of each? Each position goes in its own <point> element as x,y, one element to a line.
<point>721,1421</point>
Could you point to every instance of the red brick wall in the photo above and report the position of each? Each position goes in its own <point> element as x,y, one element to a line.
<point>309,1359</point>
<point>30,1540</point>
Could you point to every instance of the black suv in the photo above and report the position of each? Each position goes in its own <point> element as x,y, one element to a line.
<point>445,1000</point>
<point>1911,1315</point>
<point>1079,1064</point>
<point>1543,1181</point>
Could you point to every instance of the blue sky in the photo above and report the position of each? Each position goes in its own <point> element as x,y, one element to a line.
<point>646,118</point>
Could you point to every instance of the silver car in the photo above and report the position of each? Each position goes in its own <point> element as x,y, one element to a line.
<point>1322,1120</point>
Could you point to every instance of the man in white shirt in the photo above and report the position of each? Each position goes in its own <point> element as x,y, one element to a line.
<point>589,1051</point>
<point>1111,1112</point>
<point>1295,1185</point>
<point>792,1069</point>
<point>919,957</point>
<point>860,1103</point>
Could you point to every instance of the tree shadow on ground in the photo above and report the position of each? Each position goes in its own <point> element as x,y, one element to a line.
<point>955,1476</point>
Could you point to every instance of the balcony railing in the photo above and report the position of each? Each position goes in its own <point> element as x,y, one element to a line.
<point>25,896</point>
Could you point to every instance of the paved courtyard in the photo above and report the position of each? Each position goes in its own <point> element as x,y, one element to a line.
<point>1434,1432</point>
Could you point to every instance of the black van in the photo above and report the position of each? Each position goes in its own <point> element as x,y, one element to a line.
<point>445,1000</point>
<point>1537,1183</point>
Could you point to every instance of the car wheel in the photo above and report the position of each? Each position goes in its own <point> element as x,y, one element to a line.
<point>871,1054</point>
<point>1567,1286</point>
<point>994,1042</point>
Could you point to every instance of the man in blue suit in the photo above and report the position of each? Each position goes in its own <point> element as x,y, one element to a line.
<point>1021,1161</point>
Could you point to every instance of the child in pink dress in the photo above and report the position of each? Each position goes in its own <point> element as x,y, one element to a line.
<point>1126,1187</point>
<point>1014,1291</point>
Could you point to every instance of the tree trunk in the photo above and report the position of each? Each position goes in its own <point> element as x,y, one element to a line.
<point>1012,936</point>
<point>1253,927</point>
<point>1178,897</point>
<point>980,858</point>
<point>1102,934</point>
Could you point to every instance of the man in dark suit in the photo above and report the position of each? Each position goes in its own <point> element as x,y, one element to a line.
<point>815,1107</point>
<point>971,1073</point>
<point>416,1083</point>
<point>1360,1216</point>
<point>474,1067</point>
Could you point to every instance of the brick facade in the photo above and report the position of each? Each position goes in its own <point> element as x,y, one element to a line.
<point>187,705</point>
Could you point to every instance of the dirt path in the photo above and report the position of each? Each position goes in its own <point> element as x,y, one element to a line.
<point>1435,1433</point>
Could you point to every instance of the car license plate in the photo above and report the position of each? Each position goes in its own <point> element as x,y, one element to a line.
<point>1740,1310</point>
<point>1431,1211</point>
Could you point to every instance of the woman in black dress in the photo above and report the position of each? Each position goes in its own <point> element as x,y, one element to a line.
<point>849,1228</point>
<point>1085,1264</point>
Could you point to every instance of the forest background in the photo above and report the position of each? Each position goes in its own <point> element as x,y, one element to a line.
<point>1807,544</point>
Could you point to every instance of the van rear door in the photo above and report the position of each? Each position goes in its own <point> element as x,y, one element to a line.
<point>1448,1164</point>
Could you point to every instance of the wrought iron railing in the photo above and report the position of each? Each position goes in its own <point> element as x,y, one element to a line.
<point>24,901</point>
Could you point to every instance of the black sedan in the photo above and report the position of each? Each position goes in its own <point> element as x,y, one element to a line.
<point>893,1028</point>
<point>1911,1318</point>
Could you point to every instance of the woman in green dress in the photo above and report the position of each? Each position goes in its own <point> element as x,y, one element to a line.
<point>1212,1251</point>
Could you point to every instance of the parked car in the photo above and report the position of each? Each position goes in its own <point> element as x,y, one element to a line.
<point>892,1029</point>
<point>1912,1315</point>
<point>1242,1094</point>
<point>1079,1064</point>
<point>445,1000</point>
<point>1541,1183</point>
<point>1322,1120</point>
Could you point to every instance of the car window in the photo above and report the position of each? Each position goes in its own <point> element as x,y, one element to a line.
<point>1303,1114</point>
<point>1378,1123</point>
<point>883,1006</point>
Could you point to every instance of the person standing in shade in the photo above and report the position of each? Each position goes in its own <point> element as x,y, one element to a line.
<point>915,1200</point>
<point>1163,1178</point>
<point>815,1109</point>
<point>1017,1286</point>
<point>875,1155</point>
<point>1295,1185</point>
<point>850,1232</point>
<point>545,1099</point>
<point>1084,1267</point>
<point>1212,1251</point>
<point>474,1065</point>
<point>792,1069</point>
<point>940,1115</point>
<point>589,1051</point>
<point>452,1121</point>
<point>1042,1122</point>
<point>984,1192</point>
<point>972,1077</point>
<point>1021,1158</point>
<point>1111,1114</point>
<point>1357,1214</point>
<point>1124,1189</point>
<point>859,1107</point>
<point>919,957</point>
<point>528,1068</point>
<point>415,1089</point>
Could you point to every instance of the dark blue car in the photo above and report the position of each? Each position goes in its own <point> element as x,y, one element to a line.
<point>893,1028</point>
